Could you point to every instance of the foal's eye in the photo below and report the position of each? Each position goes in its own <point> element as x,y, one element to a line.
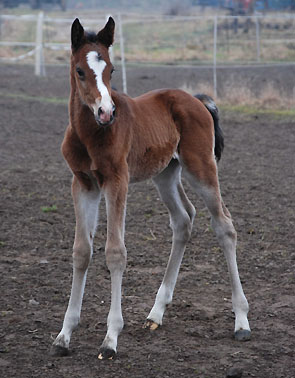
<point>112,70</point>
<point>80,73</point>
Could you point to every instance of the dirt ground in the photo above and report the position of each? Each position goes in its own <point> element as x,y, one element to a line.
<point>196,339</point>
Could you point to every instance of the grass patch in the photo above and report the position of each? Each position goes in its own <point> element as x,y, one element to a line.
<point>250,113</point>
<point>49,209</point>
<point>24,97</point>
<point>254,110</point>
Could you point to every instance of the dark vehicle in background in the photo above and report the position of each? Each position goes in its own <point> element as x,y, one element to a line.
<point>242,7</point>
<point>35,4</point>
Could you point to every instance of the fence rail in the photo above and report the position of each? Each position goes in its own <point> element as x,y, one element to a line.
<point>215,37</point>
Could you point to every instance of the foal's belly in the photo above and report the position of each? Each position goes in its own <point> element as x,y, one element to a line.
<point>150,162</point>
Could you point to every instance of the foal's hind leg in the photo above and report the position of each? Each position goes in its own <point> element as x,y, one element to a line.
<point>86,209</point>
<point>203,178</point>
<point>182,214</point>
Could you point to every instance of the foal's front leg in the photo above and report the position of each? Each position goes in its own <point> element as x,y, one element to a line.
<point>115,195</point>
<point>86,204</point>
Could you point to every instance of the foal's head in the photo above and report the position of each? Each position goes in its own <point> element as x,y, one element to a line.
<point>92,69</point>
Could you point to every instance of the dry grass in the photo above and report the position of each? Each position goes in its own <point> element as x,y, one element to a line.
<point>268,97</point>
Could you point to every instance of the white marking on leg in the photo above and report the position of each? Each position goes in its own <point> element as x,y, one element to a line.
<point>226,235</point>
<point>86,209</point>
<point>98,65</point>
<point>115,319</point>
<point>168,185</point>
<point>72,315</point>
<point>116,256</point>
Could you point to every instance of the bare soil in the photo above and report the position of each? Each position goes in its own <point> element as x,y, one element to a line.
<point>196,339</point>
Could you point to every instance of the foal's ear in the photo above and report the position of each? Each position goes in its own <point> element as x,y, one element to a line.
<point>77,34</point>
<point>106,35</point>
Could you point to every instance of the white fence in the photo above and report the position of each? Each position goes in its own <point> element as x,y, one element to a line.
<point>39,45</point>
<point>215,37</point>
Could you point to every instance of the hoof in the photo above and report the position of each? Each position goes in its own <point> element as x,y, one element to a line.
<point>151,325</point>
<point>242,335</point>
<point>106,354</point>
<point>59,351</point>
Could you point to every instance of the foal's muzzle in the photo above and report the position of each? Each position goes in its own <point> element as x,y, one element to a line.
<point>104,118</point>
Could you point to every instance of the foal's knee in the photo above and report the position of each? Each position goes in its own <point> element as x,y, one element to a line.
<point>81,255</point>
<point>224,230</point>
<point>182,228</point>
<point>116,257</point>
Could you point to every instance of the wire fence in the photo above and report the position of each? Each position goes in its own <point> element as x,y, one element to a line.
<point>196,40</point>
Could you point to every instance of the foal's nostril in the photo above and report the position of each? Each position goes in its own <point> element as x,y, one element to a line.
<point>104,117</point>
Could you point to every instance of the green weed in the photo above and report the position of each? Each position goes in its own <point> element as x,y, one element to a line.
<point>49,209</point>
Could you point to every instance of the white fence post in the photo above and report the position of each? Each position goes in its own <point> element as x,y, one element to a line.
<point>122,55</point>
<point>214,58</point>
<point>39,56</point>
<point>257,39</point>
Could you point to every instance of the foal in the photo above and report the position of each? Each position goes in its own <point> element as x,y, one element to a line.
<point>112,140</point>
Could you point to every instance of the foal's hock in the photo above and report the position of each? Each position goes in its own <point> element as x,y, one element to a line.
<point>113,140</point>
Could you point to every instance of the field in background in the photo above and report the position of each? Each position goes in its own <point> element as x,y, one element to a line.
<point>174,41</point>
<point>170,40</point>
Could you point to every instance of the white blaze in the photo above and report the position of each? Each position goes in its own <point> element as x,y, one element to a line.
<point>98,66</point>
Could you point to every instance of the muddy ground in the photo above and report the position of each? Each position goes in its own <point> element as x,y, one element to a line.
<point>196,339</point>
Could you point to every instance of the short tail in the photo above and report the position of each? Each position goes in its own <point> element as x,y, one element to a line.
<point>212,108</point>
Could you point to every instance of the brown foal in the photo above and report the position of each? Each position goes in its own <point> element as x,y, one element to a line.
<point>113,140</point>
